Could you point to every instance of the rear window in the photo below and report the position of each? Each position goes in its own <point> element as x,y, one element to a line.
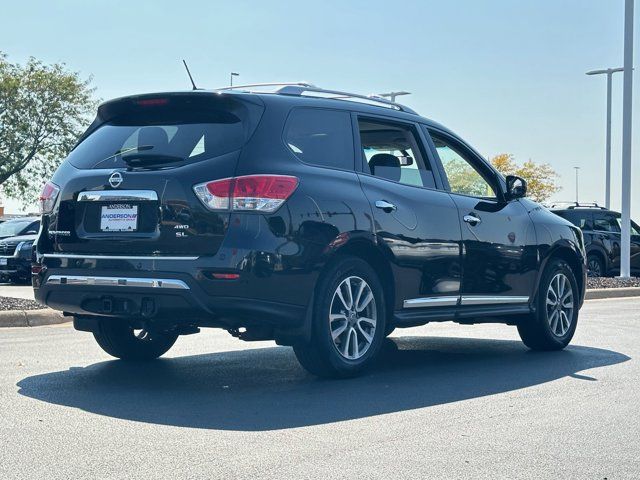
<point>177,128</point>
<point>321,137</point>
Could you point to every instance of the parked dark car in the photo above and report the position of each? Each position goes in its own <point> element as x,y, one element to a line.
<point>602,230</point>
<point>16,243</point>
<point>319,219</point>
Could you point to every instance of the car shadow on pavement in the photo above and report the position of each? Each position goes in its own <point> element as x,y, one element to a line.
<point>266,389</point>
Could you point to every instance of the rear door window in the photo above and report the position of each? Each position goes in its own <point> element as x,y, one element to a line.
<point>321,137</point>
<point>605,222</point>
<point>391,151</point>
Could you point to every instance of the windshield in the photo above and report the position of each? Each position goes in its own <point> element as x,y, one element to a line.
<point>12,228</point>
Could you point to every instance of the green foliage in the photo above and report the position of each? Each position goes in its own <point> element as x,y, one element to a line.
<point>541,177</point>
<point>43,110</point>
<point>464,179</point>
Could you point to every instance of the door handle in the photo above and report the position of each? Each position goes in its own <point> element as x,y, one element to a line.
<point>472,220</point>
<point>386,206</point>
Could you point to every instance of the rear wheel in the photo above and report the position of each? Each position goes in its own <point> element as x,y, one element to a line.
<point>553,324</point>
<point>348,321</point>
<point>121,341</point>
<point>595,265</point>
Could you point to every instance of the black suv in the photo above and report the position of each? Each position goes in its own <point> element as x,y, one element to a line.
<point>319,219</point>
<point>601,230</point>
<point>16,242</point>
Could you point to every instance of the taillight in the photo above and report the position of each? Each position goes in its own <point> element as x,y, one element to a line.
<point>259,193</point>
<point>48,197</point>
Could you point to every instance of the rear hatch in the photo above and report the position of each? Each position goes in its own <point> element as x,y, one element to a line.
<point>127,187</point>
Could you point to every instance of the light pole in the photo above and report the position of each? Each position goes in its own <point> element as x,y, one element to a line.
<point>577,170</point>
<point>233,74</point>
<point>392,95</point>
<point>607,192</point>
<point>627,93</point>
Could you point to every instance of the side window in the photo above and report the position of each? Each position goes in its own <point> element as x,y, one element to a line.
<point>605,222</point>
<point>635,230</point>
<point>320,137</point>
<point>464,176</point>
<point>392,152</point>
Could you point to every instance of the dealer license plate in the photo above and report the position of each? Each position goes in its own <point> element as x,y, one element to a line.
<point>119,218</point>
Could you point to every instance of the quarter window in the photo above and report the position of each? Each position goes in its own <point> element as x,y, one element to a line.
<point>321,137</point>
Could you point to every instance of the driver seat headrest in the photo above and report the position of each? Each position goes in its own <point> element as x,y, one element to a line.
<point>386,166</point>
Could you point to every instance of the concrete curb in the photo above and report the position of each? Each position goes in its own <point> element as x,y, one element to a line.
<point>31,318</point>
<point>599,293</point>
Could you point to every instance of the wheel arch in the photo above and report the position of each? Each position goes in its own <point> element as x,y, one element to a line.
<point>368,251</point>
<point>571,254</point>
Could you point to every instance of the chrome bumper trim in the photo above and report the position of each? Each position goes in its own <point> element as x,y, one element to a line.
<point>116,257</point>
<point>117,282</point>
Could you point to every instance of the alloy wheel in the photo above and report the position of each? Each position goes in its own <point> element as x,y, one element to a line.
<point>594,268</point>
<point>353,317</point>
<point>559,304</point>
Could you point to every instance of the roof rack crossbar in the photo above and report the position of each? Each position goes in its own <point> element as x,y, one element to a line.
<point>298,89</point>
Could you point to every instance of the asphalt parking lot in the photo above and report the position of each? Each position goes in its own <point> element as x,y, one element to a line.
<point>445,401</point>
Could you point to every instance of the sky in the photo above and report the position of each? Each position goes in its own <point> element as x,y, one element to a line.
<point>508,76</point>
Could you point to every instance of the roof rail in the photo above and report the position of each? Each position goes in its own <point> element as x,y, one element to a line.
<point>300,90</point>
<point>272,84</point>
<point>573,205</point>
<point>308,89</point>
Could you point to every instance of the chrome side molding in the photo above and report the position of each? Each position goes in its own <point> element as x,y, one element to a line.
<point>77,256</point>
<point>452,301</point>
<point>492,300</point>
<point>118,196</point>
<point>117,282</point>
<point>430,302</point>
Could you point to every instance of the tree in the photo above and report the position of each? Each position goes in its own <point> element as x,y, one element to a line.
<point>43,110</point>
<point>541,177</point>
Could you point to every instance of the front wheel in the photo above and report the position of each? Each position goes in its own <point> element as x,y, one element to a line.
<point>554,322</point>
<point>348,321</point>
<point>121,341</point>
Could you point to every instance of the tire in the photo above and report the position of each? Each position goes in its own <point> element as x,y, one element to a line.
<point>552,327</point>
<point>119,340</point>
<point>596,265</point>
<point>357,339</point>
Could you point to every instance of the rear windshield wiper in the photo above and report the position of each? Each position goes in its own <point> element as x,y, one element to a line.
<point>149,159</point>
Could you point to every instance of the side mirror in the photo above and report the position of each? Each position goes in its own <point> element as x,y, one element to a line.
<point>516,187</point>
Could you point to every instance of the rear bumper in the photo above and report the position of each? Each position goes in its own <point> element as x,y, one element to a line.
<point>168,290</point>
